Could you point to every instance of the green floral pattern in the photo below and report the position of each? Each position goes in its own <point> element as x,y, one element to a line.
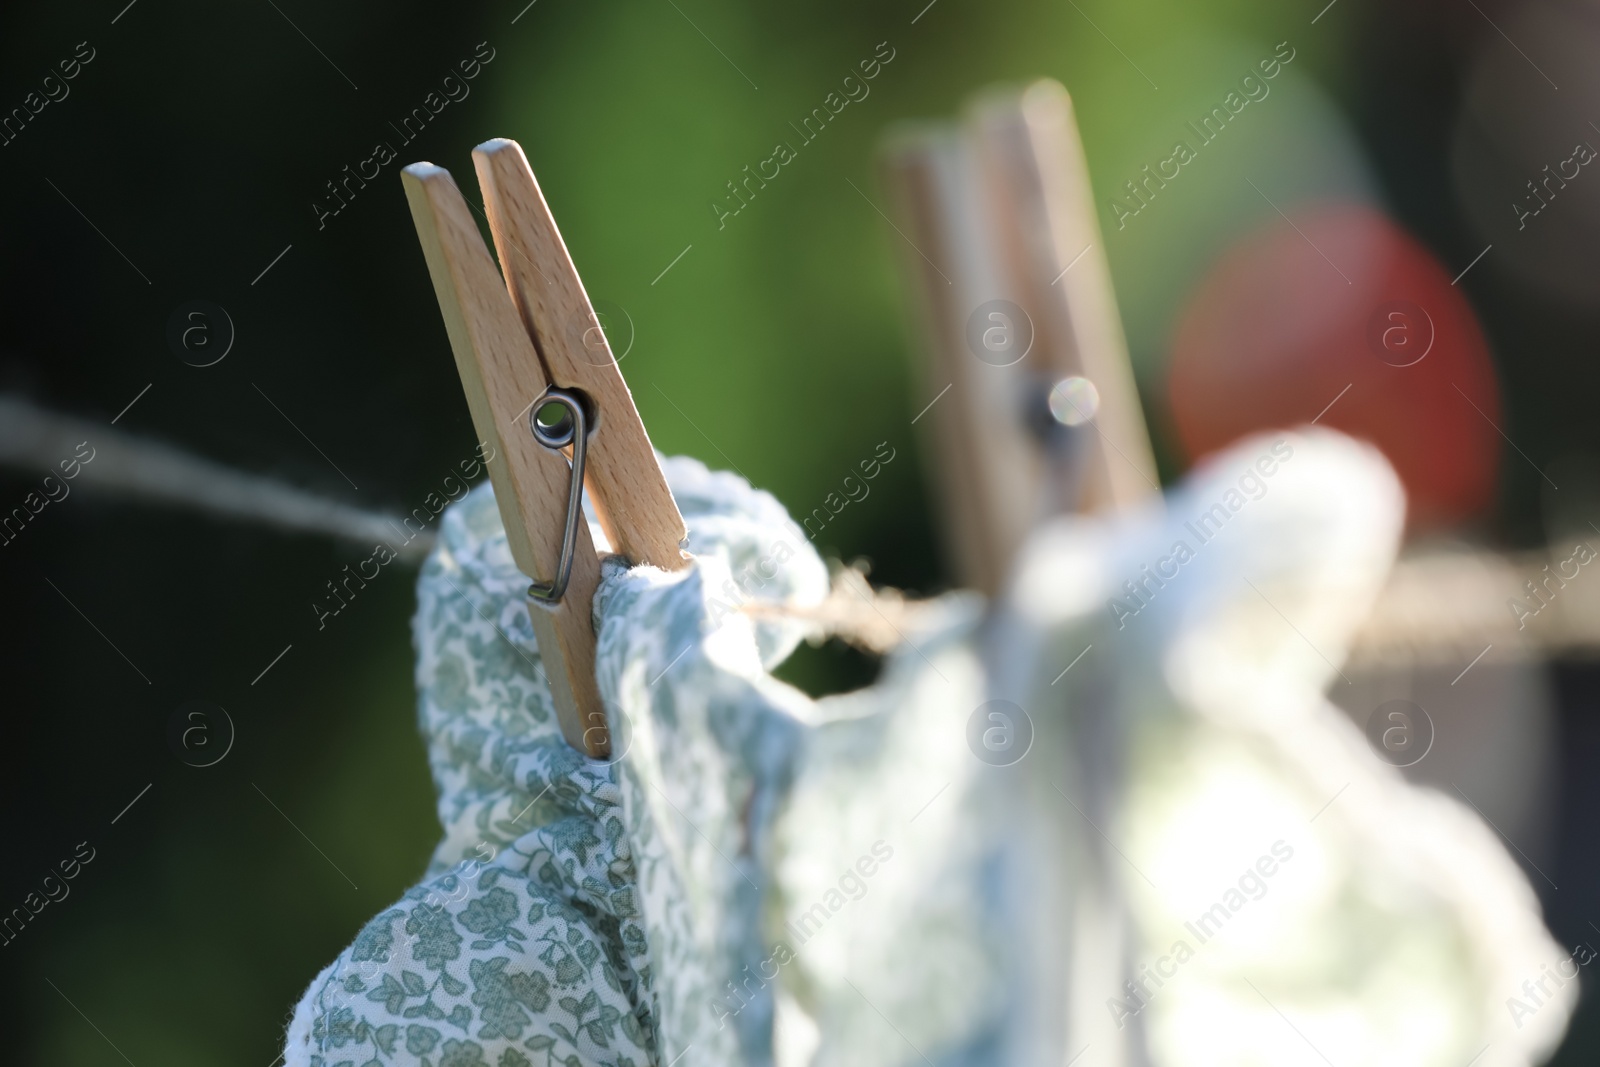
<point>580,912</point>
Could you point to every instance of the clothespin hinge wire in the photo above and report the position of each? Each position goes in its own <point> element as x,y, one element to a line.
<point>573,428</point>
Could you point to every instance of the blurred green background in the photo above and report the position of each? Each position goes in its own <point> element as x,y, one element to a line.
<point>196,142</point>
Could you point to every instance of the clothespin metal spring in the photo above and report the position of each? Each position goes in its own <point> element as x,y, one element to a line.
<point>572,429</point>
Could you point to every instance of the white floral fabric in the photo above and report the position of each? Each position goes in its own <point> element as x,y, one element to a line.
<point>581,912</point>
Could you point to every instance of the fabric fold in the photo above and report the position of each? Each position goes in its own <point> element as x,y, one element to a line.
<point>1272,865</point>
<point>580,911</point>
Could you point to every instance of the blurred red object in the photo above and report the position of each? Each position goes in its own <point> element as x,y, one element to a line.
<point>1293,315</point>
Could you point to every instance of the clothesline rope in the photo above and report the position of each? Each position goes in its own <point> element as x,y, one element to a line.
<point>1436,606</point>
<point>874,620</point>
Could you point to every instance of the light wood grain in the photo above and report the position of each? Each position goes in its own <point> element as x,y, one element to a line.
<point>625,483</point>
<point>1044,219</point>
<point>501,375</point>
<point>989,466</point>
<point>920,170</point>
<point>998,207</point>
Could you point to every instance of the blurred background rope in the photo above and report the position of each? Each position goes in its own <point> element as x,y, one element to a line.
<point>33,438</point>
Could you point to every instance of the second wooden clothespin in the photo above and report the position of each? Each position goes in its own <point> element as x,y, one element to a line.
<point>545,392</point>
<point>1019,323</point>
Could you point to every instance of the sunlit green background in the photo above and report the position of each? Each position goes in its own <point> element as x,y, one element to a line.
<point>196,142</point>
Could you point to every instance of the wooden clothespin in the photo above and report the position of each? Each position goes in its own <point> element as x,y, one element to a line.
<point>545,392</point>
<point>999,211</point>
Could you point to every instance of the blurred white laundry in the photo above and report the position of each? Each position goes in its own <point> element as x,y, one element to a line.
<point>1292,900</point>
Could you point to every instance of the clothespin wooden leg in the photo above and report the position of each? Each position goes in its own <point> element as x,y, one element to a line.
<point>986,469</point>
<point>630,494</point>
<point>1047,232</point>
<point>502,377</point>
